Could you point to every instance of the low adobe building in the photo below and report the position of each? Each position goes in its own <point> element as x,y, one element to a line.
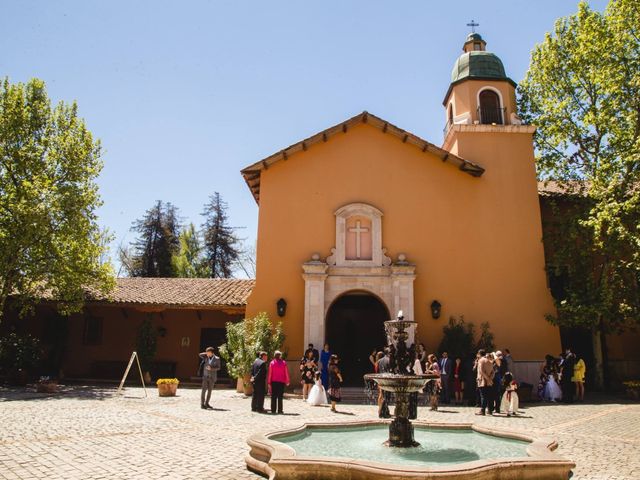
<point>189,314</point>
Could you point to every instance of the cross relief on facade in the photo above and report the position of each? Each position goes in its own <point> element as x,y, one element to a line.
<point>358,230</point>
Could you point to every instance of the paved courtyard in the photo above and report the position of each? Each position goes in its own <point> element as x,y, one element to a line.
<point>88,432</point>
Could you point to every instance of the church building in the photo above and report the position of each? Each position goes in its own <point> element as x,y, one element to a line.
<point>365,219</point>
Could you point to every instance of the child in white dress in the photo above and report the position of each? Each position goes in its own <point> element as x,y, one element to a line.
<point>510,401</point>
<point>317,395</point>
<point>552,391</point>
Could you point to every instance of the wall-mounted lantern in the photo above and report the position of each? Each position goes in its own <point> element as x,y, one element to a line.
<point>436,308</point>
<point>281,306</point>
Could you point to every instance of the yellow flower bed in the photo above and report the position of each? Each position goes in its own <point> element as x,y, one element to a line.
<point>167,381</point>
<point>632,384</point>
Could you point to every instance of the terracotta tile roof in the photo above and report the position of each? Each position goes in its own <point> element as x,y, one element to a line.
<point>548,188</point>
<point>179,292</point>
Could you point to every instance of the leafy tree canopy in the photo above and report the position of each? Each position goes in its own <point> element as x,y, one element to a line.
<point>582,91</point>
<point>188,261</point>
<point>50,241</point>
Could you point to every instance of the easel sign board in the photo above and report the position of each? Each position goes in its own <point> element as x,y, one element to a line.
<point>134,355</point>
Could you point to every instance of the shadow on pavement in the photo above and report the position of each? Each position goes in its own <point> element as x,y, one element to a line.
<point>81,392</point>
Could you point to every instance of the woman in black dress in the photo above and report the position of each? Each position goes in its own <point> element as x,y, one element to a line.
<point>335,379</point>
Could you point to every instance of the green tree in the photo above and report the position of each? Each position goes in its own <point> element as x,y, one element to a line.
<point>457,338</point>
<point>158,242</point>
<point>582,91</point>
<point>50,242</point>
<point>220,243</point>
<point>485,341</point>
<point>246,339</point>
<point>189,261</point>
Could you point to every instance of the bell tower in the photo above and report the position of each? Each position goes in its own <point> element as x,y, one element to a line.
<point>481,112</point>
<point>480,92</point>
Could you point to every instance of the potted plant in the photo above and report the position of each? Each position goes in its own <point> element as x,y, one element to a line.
<point>167,387</point>
<point>19,355</point>
<point>146,345</point>
<point>47,385</point>
<point>632,387</point>
<point>245,340</point>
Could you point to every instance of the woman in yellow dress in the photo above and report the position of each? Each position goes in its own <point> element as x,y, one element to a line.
<point>579,371</point>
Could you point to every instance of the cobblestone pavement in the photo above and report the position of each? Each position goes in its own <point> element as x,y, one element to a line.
<point>88,432</point>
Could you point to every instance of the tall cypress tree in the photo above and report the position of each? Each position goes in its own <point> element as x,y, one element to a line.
<point>220,244</point>
<point>157,243</point>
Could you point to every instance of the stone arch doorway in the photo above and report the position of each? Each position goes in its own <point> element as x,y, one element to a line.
<point>355,326</point>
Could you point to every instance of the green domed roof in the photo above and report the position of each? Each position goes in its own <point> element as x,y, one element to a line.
<point>478,64</point>
<point>474,37</point>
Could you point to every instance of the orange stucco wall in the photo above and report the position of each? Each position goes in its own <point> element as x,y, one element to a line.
<point>476,242</point>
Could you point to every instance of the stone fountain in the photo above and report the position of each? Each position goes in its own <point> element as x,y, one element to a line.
<point>357,450</point>
<point>401,381</point>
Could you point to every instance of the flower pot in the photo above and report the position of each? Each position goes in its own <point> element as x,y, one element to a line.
<point>47,387</point>
<point>240,385</point>
<point>167,389</point>
<point>247,386</point>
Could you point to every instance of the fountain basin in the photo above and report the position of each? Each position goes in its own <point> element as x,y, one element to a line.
<point>354,450</point>
<point>392,382</point>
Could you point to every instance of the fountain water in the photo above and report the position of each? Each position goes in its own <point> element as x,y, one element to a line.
<point>401,381</point>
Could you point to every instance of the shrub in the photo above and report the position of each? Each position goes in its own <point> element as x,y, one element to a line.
<point>457,339</point>
<point>19,352</point>
<point>486,338</point>
<point>146,344</point>
<point>246,339</point>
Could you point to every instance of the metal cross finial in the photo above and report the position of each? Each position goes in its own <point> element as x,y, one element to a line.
<point>473,26</point>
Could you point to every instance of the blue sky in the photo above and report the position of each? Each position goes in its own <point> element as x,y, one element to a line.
<point>185,94</point>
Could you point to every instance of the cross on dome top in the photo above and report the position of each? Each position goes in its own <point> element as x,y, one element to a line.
<point>473,25</point>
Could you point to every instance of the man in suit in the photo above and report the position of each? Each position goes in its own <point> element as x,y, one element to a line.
<point>211,365</point>
<point>384,366</point>
<point>259,379</point>
<point>446,366</point>
<point>566,384</point>
<point>485,382</point>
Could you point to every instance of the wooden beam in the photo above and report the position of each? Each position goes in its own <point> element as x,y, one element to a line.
<point>324,136</point>
<point>424,148</point>
<point>284,154</point>
<point>344,128</point>
<point>304,146</point>
<point>446,155</point>
<point>404,139</point>
<point>264,164</point>
<point>365,117</point>
<point>384,128</point>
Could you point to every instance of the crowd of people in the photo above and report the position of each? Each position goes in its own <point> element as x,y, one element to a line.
<point>320,378</point>
<point>489,381</point>
<point>562,378</point>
